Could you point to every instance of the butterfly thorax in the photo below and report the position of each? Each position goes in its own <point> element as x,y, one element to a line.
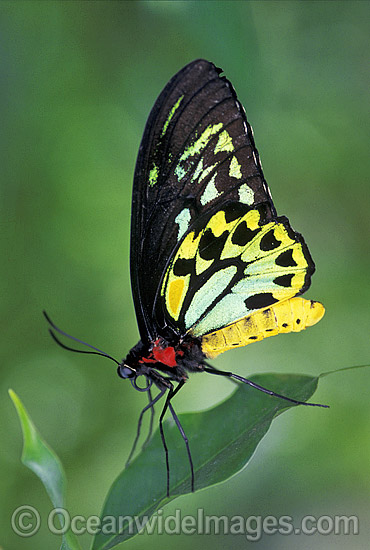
<point>173,357</point>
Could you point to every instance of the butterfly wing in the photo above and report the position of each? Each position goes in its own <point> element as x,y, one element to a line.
<point>196,157</point>
<point>232,264</point>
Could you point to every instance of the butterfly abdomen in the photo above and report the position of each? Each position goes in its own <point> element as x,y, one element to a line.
<point>291,315</point>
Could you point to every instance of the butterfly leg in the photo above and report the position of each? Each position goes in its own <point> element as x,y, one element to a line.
<point>150,405</point>
<point>172,392</point>
<point>208,368</point>
<point>164,439</point>
<point>150,431</point>
<point>186,441</point>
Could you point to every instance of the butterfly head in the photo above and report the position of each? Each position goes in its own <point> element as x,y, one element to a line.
<point>124,371</point>
<point>132,368</point>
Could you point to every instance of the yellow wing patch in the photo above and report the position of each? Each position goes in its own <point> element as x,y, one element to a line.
<point>292,315</point>
<point>176,294</point>
<point>175,285</point>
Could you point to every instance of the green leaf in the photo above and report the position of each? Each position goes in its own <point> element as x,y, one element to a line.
<point>41,459</point>
<point>222,440</point>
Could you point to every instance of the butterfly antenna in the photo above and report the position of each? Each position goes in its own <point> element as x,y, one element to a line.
<point>213,370</point>
<point>96,351</point>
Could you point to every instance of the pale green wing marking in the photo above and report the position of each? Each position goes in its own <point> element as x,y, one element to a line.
<point>204,173</point>
<point>196,148</point>
<point>210,192</point>
<point>183,221</point>
<point>170,116</point>
<point>225,143</point>
<point>246,194</point>
<point>204,297</point>
<point>153,175</point>
<point>235,170</point>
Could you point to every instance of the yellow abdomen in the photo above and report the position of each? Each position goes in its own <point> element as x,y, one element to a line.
<point>291,315</point>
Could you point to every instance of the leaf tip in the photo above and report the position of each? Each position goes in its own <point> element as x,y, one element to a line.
<point>14,397</point>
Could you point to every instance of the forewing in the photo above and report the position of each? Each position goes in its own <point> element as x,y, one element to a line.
<point>197,154</point>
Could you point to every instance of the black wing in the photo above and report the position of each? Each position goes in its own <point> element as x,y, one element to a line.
<point>196,154</point>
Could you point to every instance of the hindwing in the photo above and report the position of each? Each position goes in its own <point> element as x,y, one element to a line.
<point>236,261</point>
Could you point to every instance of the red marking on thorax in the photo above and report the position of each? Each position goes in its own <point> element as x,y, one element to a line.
<point>167,356</point>
<point>160,354</point>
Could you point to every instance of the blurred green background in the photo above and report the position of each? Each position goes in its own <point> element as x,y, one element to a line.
<point>78,80</point>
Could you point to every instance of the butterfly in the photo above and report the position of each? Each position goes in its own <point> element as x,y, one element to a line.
<point>212,265</point>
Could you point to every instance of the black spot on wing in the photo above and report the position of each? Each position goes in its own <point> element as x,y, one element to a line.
<point>285,259</point>
<point>243,235</point>
<point>284,280</point>
<point>235,210</point>
<point>269,241</point>
<point>210,246</point>
<point>183,267</point>
<point>259,301</point>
